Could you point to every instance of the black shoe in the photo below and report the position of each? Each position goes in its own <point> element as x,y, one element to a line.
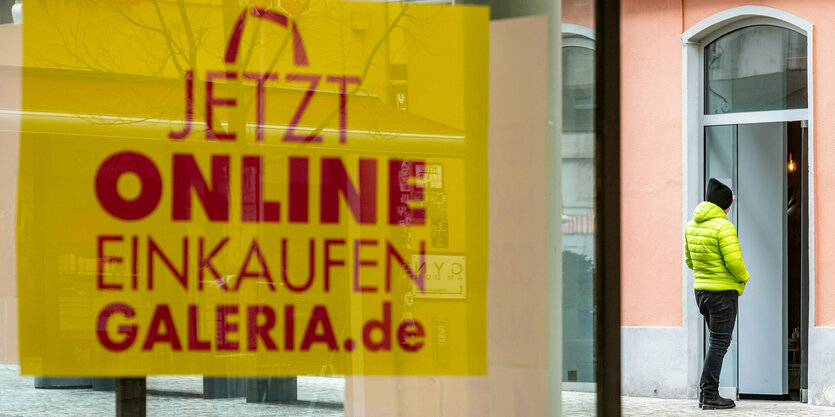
<point>701,398</point>
<point>716,403</point>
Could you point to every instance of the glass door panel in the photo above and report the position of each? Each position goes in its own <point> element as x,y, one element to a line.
<point>721,156</point>
<point>751,159</point>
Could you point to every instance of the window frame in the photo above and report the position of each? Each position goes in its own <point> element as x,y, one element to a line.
<point>755,116</point>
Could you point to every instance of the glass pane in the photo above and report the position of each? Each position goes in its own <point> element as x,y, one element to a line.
<point>754,69</point>
<point>721,163</point>
<point>578,212</point>
<point>254,106</point>
<point>577,90</point>
<point>578,209</point>
<point>263,208</point>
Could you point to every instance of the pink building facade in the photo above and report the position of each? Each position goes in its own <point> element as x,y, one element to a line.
<point>673,75</point>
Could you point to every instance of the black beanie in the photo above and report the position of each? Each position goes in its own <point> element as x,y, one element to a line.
<point>719,194</point>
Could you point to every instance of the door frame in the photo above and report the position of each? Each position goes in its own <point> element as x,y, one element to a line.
<point>693,153</point>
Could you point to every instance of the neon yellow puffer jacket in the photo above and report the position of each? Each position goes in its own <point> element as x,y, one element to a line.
<point>712,251</point>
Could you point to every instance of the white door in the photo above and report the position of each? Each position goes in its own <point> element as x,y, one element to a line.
<point>762,235</point>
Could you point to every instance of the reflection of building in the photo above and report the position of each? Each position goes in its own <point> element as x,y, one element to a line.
<point>578,203</point>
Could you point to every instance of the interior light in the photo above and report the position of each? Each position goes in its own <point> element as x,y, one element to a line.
<point>791,166</point>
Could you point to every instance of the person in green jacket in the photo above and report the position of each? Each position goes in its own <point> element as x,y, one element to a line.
<point>712,251</point>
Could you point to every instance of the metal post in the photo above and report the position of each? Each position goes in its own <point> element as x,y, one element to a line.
<point>804,263</point>
<point>607,202</point>
<point>553,166</point>
<point>131,394</point>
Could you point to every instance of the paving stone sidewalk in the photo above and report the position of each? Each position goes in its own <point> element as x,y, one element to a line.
<point>582,404</point>
<point>168,396</point>
<point>318,396</point>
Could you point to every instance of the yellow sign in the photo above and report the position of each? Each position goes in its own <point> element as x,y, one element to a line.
<point>258,189</point>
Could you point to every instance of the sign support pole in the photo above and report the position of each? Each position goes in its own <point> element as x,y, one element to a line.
<point>131,394</point>
<point>607,239</point>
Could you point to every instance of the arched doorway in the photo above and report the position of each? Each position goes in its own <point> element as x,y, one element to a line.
<point>747,113</point>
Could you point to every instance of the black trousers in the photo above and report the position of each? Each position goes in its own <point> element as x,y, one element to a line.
<point>719,309</point>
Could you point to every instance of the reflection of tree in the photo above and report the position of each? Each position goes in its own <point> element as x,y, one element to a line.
<point>578,289</point>
<point>396,24</point>
<point>367,67</point>
<point>579,267</point>
<point>578,283</point>
<point>177,39</point>
<point>174,43</point>
<point>176,51</point>
<point>100,59</point>
<point>578,316</point>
